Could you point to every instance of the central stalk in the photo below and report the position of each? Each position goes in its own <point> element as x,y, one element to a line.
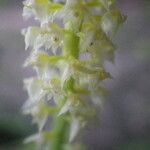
<point>71,48</point>
<point>71,42</point>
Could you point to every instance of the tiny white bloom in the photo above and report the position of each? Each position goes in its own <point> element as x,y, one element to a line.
<point>74,128</point>
<point>30,34</point>
<point>65,108</point>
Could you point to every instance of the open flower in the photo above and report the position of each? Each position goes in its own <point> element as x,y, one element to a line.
<point>42,10</point>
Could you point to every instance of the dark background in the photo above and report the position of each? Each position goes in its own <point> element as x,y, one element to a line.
<point>124,122</point>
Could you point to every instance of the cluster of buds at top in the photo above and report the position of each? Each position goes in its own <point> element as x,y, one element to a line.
<point>69,48</point>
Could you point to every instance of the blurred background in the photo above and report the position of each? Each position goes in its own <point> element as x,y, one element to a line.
<point>123,123</point>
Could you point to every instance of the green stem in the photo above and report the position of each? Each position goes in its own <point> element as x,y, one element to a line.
<point>71,43</point>
<point>60,133</point>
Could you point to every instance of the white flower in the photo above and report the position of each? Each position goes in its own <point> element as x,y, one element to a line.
<point>27,12</point>
<point>36,6</point>
<point>49,41</point>
<point>72,12</point>
<point>86,41</point>
<point>43,40</point>
<point>30,34</point>
<point>96,43</point>
<point>111,22</point>
<point>51,37</point>
<point>34,89</point>
<point>42,10</point>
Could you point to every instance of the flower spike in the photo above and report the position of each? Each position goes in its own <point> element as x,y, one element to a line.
<point>69,48</point>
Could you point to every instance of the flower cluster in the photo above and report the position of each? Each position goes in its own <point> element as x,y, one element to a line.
<point>69,48</point>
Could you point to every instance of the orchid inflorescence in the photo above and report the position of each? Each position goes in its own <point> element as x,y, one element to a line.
<point>69,48</point>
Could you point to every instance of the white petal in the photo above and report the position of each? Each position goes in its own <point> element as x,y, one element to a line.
<point>34,89</point>
<point>65,108</point>
<point>43,40</point>
<point>42,122</point>
<point>74,128</point>
<point>32,138</point>
<point>30,35</point>
<point>66,74</point>
<point>27,13</point>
